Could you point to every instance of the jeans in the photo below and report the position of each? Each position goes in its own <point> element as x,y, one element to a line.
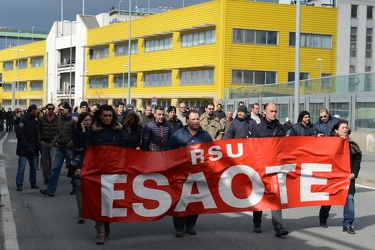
<point>21,169</point>
<point>348,211</point>
<point>47,159</point>
<point>62,152</point>
<point>9,127</point>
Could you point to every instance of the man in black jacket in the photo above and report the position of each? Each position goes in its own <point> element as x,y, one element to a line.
<point>27,146</point>
<point>269,127</point>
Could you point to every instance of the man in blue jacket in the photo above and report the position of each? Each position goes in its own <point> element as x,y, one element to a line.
<point>190,134</point>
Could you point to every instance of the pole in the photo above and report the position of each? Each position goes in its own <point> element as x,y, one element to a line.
<point>83,7</point>
<point>297,62</point>
<point>129,101</point>
<point>32,34</point>
<point>18,74</point>
<point>123,84</point>
<point>62,16</point>
<point>119,6</point>
<point>70,64</point>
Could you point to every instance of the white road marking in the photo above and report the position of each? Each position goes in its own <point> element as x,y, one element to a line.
<point>9,227</point>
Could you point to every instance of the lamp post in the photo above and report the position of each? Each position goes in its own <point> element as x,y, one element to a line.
<point>123,83</point>
<point>119,6</point>
<point>70,64</point>
<point>18,43</point>
<point>32,34</point>
<point>129,101</point>
<point>320,60</point>
<point>18,74</point>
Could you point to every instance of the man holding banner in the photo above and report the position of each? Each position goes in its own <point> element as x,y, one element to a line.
<point>269,127</point>
<point>188,135</point>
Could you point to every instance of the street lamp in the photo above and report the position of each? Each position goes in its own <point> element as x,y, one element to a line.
<point>18,73</point>
<point>123,83</point>
<point>32,34</point>
<point>119,6</point>
<point>18,38</point>
<point>129,101</point>
<point>320,60</point>
<point>70,61</point>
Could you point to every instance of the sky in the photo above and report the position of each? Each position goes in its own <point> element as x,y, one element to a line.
<point>40,14</point>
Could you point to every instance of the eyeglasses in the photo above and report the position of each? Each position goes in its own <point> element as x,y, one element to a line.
<point>210,109</point>
<point>323,116</point>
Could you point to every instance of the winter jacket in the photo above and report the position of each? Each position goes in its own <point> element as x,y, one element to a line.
<point>301,130</point>
<point>212,126</point>
<point>64,132</point>
<point>9,116</point>
<point>27,136</point>
<point>355,163</point>
<point>325,128</point>
<point>155,136</point>
<point>132,136</point>
<point>101,135</point>
<point>47,130</point>
<point>268,129</point>
<point>146,119</point>
<point>240,128</point>
<point>176,124</point>
<point>182,138</point>
<point>182,117</point>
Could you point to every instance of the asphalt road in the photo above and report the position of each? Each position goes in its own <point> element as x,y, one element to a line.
<point>34,221</point>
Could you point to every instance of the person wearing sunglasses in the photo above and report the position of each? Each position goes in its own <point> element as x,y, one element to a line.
<point>324,127</point>
<point>47,129</point>
<point>210,123</point>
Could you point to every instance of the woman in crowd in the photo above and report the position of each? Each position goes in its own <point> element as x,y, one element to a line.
<point>105,130</point>
<point>131,130</point>
<point>341,129</point>
<point>83,124</point>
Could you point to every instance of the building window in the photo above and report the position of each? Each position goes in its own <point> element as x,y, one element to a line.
<point>354,11</point>
<point>23,64</point>
<point>36,86</point>
<point>198,38</point>
<point>353,42</point>
<point>369,12</point>
<point>8,66</point>
<point>253,77</point>
<point>326,81</point>
<point>123,49</point>
<point>99,53</point>
<point>159,79</point>
<point>97,83</point>
<point>118,81</point>
<point>197,77</point>
<point>7,87</point>
<point>368,79</point>
<point>352,69</point>
<point>312,40</point>
<point>22,86</point>
<point>255,36</point>
<point>368,42</point>
<point>302,77</point>
<point>158,44</point>
<point>37,62</point>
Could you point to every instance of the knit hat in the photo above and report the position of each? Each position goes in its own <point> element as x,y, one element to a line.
<point>83,104</point>
<point>242,108</point>
<point>171,108</point>
<point>302,114</point>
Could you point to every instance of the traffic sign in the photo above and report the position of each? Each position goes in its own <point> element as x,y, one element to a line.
<point>154,101</point>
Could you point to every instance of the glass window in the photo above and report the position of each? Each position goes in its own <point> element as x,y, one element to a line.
<point>99,53</point>
<point>249,36</point>
<point>198,38</point>
<point>272,37</point>
<point>369,43</point>
<point>36,86</point>
<point>37,62</point>
<point>353,42</point>
<point>8,66</point>
<point>365,115</point>
<point>159,79</point>
<point>312,40</point>
<point>97,83</point>
<point>354,11</point>
<point>22,86</point>
<point>292,39</point>
<point>118,80</point>
<point>23,64</point>
<point>248,77</point>
<point>340,108</point>
<point>197,77</point>
<point>123,49</point>
<point>253,77</point>
<point>238,35</point>
<point>7,87</point>
<point>261,37</point>
<point>369,12</point>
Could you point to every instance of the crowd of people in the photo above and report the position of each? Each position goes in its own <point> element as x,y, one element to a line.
<point>60,135</point>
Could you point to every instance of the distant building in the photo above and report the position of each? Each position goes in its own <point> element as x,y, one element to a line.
<point>13,37</point>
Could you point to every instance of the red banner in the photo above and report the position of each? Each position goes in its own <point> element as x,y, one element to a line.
<point>233,175</point>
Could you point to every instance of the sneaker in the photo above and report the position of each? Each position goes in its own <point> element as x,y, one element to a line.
<point>323,224</point>
<point>47,192</point>
<point>280,231</point>
<point>257,228</point>
<point>19,188</point>
<point>191,231</point>
<point>349,230</point>
<point>34,186</point>
<point>179,233</point>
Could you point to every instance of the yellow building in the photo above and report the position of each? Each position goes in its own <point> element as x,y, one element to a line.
<point>196,53</point>
<point>23,70</point>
